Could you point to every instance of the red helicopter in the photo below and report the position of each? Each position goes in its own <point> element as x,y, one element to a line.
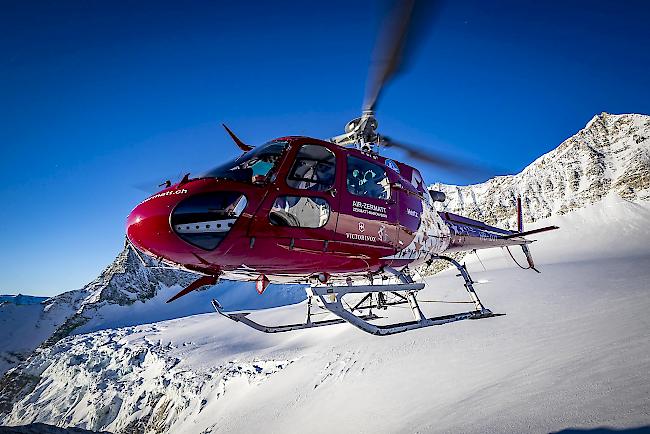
<point>330,214</point>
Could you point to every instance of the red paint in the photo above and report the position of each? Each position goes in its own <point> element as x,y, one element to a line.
<point>253,242</point>
<point>201,281</point>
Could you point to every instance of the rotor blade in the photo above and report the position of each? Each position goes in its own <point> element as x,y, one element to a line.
<point>447,163</point>
<point>402,31</point>
<point>241,145</point>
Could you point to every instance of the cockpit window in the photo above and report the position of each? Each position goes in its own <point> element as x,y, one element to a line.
<point>367,179</point>
<point>255,164</point>
<point>313,169</point>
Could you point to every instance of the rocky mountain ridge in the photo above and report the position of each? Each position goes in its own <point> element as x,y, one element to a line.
<point>122,283</point>
<point>21,299</point>
<point>610,154</point>
<point>126,280</point>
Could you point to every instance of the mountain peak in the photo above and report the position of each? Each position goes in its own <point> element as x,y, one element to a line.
<point>602,118</point>
<point>127,279</point>
<point>124,282</point>
<point>611,154</point>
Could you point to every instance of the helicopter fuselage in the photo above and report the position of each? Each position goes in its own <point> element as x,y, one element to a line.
<point>304,207</point>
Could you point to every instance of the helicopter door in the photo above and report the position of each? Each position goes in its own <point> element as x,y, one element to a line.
<point>300,213</point>
<point>368,216</point>
<point>410,197</point>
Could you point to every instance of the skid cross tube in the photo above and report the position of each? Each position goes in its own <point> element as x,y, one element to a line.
<point>468,280</point>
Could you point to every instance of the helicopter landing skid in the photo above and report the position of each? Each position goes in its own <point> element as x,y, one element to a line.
<point>243,318</point>
<point>330,298</point>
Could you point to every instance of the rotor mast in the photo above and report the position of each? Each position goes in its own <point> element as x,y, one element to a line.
<point>361,132</point>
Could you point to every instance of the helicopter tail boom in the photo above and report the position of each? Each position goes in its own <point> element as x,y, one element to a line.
<point>470,234</point>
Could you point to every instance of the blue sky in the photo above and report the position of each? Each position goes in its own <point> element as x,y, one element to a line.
<point>98,97</point>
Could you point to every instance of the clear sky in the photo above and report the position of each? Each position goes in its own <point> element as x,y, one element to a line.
<point>97,97</point>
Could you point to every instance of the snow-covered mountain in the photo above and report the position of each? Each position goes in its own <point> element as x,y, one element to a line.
<point>610,154</point>
<point>126,293</point>
<point>122,283</point>
<point>572,350</point>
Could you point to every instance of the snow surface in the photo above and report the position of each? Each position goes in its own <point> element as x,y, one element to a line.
<point>23,328</point>
<point>571,351</point>
<point>232,295</point>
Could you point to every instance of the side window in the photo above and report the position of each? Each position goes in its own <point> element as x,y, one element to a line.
<point>300,212</point>
<point>367,179</point>
<point>313,169</point>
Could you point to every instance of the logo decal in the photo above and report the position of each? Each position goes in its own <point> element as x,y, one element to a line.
<point>381,233</point>
<point>416,179</point>
<point>412,213</point>
<point>167,193</point>
<point>369,208</point>
<point>392,165</point>
<point>360,237</point>
<point>362,227</point>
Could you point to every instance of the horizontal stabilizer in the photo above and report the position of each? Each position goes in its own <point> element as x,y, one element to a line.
<point>533,231</point>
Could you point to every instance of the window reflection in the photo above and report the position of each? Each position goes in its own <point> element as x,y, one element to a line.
<point>303,212</point>
<point>314,169</point>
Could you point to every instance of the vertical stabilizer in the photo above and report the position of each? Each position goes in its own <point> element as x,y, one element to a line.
<point>520,220</point>
<point>520,228</point>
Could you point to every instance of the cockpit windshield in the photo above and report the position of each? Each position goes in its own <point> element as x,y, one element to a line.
<point>253,165</point>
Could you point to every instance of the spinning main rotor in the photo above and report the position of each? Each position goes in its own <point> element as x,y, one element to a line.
<point>396,39</point>
<point>404,29</point>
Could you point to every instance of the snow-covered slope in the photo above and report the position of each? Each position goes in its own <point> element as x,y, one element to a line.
<point>23,328</point>
<point>572,351</point>
<point>611,154</point>
<point>125,293</point>
<point>122,283</point>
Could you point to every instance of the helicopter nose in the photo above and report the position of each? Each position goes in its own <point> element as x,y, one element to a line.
<point>180,226</point>
<point>147,227</point>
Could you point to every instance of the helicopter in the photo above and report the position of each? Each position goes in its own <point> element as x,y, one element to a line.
<point>334,215</point>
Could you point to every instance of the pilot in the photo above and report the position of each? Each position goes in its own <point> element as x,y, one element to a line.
<point>356,182</point>
<point>303,173</point>
<point>372,186</point>
<point>263,165</point>
<point>324,176</point>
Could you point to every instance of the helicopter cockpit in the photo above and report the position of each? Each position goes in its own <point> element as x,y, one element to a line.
<point>253,166</point>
